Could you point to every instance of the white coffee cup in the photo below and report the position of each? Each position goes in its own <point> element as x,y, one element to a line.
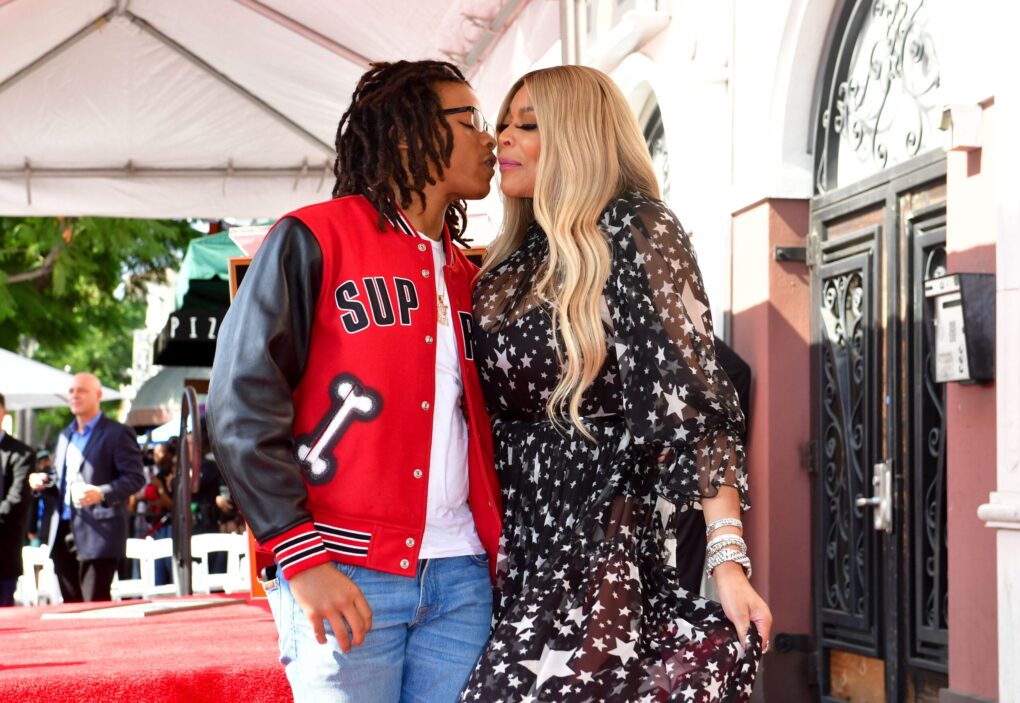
<point>77,492</point>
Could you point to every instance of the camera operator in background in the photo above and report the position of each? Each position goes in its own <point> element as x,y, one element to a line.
<point>42,503</point>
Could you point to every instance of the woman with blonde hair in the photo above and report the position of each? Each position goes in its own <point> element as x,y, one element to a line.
<point>594,341</point>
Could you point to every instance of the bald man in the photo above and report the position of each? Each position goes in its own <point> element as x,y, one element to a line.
<point>97,465</point>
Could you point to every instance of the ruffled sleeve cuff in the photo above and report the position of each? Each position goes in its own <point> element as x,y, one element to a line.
<point>691,472</point>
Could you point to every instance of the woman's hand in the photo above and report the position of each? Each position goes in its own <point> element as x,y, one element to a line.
<point>741,603</point>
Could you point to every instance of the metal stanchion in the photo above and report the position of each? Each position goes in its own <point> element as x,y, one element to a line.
<point>189,462</point>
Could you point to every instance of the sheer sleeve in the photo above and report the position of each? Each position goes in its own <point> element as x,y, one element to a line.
<point>678,403</point>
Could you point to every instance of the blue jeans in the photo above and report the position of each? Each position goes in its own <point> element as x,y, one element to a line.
<point>427,634</point>
<point>164,567</point>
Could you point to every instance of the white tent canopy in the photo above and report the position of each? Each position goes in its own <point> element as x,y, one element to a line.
<point>29,384</point>
<point>209,108</point>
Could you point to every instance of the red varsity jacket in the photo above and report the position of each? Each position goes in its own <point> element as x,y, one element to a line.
<point>320,404</point>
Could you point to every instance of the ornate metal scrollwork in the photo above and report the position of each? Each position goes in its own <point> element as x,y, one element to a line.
<point>881,102</point>
<point>929,634</point>
<point>845,527</point>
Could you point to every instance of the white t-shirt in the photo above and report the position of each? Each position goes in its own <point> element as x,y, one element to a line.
<point>449,524</point>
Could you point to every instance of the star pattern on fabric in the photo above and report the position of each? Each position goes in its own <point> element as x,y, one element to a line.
<point>586,607</point>
<point>551,663</point>
<point>624,650</point>
<point>695,309</point>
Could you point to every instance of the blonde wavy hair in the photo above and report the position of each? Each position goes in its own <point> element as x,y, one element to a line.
<point>592,151</point>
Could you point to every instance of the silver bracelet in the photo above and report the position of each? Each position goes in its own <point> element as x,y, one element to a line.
<point>725,555</point>
<point>722,556</point>
<point>724,522</point>
<point>722,541</point>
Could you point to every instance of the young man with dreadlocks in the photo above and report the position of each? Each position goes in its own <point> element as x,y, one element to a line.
<point>346,411</point>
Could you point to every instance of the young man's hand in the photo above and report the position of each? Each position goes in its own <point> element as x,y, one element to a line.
<point>325,594</point>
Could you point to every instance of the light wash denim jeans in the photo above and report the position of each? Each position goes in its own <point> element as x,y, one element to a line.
<point>427,634</point>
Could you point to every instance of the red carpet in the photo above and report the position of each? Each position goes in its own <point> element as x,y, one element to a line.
<point>226,653</point>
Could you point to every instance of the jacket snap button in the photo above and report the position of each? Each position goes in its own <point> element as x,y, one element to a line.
<point>410,542</point>
<point>425,273</point>
<point>418,473</point>
<point>404,563</point>
<point>428,339</point>
<point>421,247</point>
<point>425,405</point>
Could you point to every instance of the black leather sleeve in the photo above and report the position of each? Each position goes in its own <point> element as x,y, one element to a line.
<point>261,353</point>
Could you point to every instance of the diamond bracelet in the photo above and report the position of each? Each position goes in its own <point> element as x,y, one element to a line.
<point>724,522</point>
<point>722,541</point>
<point>725,555</point>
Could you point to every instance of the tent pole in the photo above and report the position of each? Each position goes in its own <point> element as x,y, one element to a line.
<point>55,51</point>
<point>227,81</point>
<point>297,172</point>
<point>24,426</point>
<point>306,32</point>
<point>493,31</point>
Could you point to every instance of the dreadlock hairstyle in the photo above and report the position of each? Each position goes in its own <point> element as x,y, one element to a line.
<point>394,103</point>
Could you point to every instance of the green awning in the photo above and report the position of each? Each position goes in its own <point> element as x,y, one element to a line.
<point>205,266</point>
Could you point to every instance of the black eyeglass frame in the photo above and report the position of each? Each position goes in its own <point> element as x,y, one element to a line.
<point>476,117</point>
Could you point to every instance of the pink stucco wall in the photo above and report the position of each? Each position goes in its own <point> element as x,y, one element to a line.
<point>970,434</point>
<point>771,333</point>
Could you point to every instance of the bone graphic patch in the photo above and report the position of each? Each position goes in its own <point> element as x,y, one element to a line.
<point>352,401</point>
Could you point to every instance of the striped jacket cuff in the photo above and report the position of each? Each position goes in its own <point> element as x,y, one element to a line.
<point>298,548</point>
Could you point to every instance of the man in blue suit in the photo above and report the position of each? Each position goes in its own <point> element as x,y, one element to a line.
<point>97,465</point>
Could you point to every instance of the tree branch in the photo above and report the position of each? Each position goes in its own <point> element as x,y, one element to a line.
<point>43,271</point>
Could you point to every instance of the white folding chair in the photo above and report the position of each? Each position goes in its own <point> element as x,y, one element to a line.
<point>25,593</point>
<point>202,545</point>
<point>133,587</point>
<point>244,580</point>
<point>152,550</point>
<point>33,589</point>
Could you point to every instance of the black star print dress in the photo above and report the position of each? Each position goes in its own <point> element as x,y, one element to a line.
<point>588,607</point>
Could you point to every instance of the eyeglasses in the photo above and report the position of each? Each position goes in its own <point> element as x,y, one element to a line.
<point>478,121</point>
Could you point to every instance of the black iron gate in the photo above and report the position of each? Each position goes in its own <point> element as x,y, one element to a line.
<point>879,432</point>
